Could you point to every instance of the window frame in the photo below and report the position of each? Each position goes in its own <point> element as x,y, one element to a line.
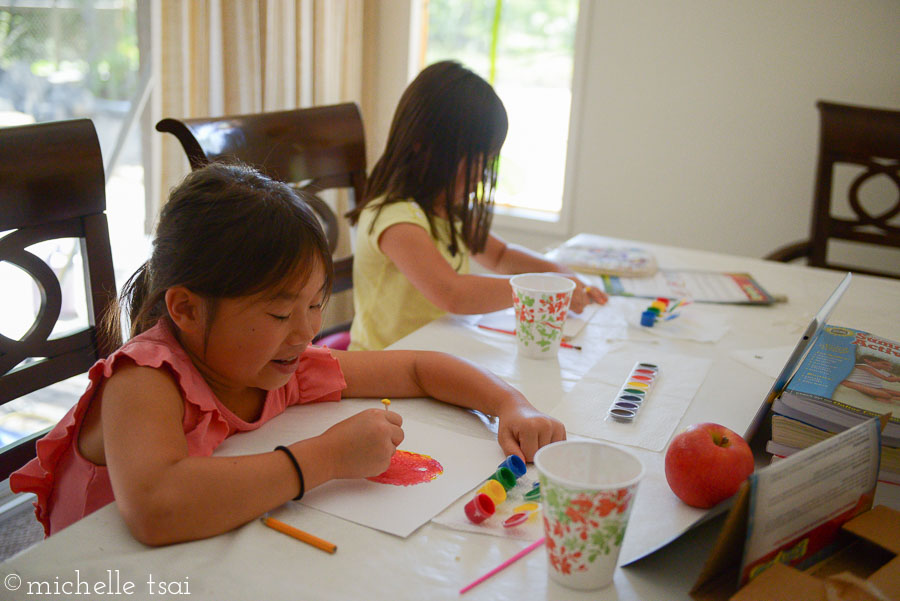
<point>527,221</point>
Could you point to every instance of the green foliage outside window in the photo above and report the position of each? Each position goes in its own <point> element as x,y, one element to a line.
<point>527,54</point>
<point>531,33</point>
<point>92,43</point>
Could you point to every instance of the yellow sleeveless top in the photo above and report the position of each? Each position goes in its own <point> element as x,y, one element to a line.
<point>386,305</point>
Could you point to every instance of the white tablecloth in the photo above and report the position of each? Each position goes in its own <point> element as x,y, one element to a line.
<point>254,562</point>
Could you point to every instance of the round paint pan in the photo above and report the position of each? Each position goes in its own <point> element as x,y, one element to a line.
<point>622,415</point>
<point>631,398</point>
<point>630,405</point>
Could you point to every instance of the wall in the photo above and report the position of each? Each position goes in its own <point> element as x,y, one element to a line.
<point>698,125</point>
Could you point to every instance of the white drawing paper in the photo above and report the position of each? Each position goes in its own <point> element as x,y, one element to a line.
<point>398,510</point>
<point>585,408</point>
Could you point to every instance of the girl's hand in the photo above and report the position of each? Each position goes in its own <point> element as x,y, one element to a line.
<point>584,295</point>
<point>523,430</point>
<point>362,445</point>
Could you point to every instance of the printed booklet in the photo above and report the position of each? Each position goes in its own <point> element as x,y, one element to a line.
<point>690,284</point>
<point>792,511</point>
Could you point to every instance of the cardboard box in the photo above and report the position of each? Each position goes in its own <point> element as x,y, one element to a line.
<point>866,567</point>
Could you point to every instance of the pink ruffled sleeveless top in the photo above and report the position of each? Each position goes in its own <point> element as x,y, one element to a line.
<point>69,487</point>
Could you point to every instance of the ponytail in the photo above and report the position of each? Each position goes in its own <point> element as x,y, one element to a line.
<point>132,301</point>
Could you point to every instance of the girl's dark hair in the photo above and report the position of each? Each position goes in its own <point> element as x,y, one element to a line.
<point>448,116</point>
<point>227,231</point>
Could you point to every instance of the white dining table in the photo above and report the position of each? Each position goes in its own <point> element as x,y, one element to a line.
<point>666,542</point>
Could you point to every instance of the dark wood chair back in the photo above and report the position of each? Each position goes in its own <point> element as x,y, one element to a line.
<point>314,149</point>
<point>869,140</point>
<point>52,187</point>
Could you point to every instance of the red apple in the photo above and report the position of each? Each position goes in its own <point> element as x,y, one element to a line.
<point>707,463</point>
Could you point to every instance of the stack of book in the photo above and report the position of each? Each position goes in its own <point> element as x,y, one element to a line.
<point>848,376</point>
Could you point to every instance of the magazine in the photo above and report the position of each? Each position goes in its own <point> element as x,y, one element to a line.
<point>848,376</point>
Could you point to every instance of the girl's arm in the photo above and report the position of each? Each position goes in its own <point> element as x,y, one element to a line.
<point>165,495</point>
<point>522,430</point>
<point>502,257</point>
<point>411,249</point>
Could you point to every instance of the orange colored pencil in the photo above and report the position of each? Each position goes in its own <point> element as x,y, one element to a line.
<point>300,535</point>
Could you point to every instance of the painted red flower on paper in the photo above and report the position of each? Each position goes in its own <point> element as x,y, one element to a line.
<point>408,469</point>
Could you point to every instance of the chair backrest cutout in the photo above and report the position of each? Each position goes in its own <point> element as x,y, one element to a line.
<point>52,187</point>
<point>868,140</point>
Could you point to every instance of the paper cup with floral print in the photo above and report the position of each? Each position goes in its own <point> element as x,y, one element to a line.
<point>541,301</point>
<point>587,491</point>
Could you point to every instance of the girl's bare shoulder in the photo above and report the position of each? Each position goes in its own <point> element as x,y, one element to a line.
<point>129,385</point>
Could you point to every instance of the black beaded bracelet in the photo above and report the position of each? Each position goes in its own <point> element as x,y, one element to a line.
<point>296,467</point>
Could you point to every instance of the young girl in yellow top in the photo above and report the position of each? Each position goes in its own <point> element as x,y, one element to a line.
<point>428,207</point>
<point>222,316</point>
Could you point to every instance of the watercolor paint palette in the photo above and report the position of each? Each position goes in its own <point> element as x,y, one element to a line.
<point>634,392</point>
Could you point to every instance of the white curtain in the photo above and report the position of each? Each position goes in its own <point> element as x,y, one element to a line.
<point>226,57</point>
<point>221,57</point>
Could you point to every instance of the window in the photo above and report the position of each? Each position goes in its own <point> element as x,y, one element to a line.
<point>68,59</point>
<point>526,50</point>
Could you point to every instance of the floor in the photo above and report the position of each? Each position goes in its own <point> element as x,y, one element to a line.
<point>19,529</point>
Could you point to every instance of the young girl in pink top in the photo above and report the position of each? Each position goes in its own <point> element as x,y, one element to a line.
<point>222,316</point>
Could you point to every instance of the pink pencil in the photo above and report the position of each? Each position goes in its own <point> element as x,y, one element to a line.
<point>505,564</point>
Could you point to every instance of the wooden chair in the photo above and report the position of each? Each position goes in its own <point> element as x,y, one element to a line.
<point>861,137</point>
<point>314,149</point>
<point>52,187</point>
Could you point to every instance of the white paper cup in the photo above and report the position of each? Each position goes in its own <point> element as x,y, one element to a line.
<point>587,492</point>
<point>541,302</point>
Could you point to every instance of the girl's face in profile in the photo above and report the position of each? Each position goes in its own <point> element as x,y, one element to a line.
<point>256,341</point>
<point>474,180</point>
